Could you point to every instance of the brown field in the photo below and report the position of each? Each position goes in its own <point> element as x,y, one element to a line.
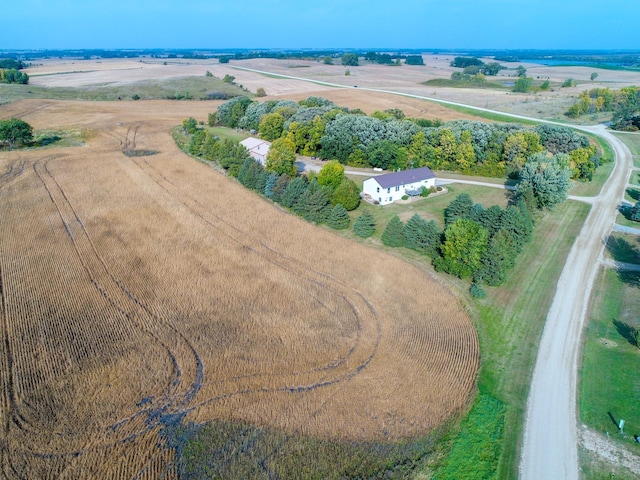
<point>145,289</point>
<point>407,79</point>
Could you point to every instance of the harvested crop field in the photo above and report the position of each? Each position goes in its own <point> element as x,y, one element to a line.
<point>140,291</point>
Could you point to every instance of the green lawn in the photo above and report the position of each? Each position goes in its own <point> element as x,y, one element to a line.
<point>624,247</point>
<point>610,387</point>
<point>431,207</point>
<point>632,140</point>
<point>224,132</point>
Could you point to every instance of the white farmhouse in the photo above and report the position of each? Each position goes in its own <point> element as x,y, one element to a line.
<point>393,186</point>
<point>257,148</point>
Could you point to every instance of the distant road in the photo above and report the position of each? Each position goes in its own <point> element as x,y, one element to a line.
<point>550,444</point>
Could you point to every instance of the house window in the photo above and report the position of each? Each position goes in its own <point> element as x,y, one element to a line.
<point>389,190</point>
<point>377,189</point>
<point>379,199</point>
<point>398,188</point>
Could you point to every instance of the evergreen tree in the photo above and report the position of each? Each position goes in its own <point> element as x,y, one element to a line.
<point>248,173</point>
<point>422,236</point>
<point>635,212</point>
<point>338,218</point>
<point>261,179</point>
<point>313,204</point>
<point>294,190</point>
<point>196,143</point>
<point>393,235</point>
<point>365,225</point>
<point>458,208</point>
<point>270,184</point>
<point>517,221</point>
<point>491,218</point>
<point>498,259</point>
<point>280,187</point>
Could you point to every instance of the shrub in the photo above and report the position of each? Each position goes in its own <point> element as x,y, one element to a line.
<point>347,194</point>
<point>477,291</point>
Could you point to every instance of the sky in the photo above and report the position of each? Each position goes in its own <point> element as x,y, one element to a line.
<point>331,24</point>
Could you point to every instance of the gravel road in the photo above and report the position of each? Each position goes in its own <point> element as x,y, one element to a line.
<point>550,449</point>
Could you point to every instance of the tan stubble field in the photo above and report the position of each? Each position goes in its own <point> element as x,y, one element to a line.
<point>140,289</point>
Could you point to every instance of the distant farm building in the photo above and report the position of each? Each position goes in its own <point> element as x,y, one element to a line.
<point>388,188</point>
<point>257,148</point>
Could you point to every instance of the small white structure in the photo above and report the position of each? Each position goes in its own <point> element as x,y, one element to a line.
<point>257,148</point>
<point>393,186</point>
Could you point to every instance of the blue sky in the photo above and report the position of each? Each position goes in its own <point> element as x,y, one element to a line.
<point>460,24</point>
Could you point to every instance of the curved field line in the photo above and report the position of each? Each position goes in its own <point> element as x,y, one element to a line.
<point>73,224</point>
<point>279,260</point>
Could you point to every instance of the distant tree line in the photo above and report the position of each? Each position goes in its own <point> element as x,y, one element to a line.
<point>624,103</point>
<point>473,66</point>
<point>12,64</point>
<point>389,140</point>
<point>395,59</point>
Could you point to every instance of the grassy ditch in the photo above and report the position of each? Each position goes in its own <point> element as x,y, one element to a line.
<point>448,82</point>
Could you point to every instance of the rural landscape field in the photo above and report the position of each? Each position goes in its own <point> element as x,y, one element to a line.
<point>146,294</point>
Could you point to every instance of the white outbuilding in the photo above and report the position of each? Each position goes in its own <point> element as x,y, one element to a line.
<point>257,148</point>
<point>388,188</point>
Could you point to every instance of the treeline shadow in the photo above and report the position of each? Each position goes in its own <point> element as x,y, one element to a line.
<point>634,193</point>
<point>47,140</point>
<point>626,331</point>
<point>625,252</point>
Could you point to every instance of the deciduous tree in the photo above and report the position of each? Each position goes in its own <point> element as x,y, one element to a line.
<point>331,174</point>
<point>15,132</point>
<point>281,157</point>
<point>347,194</point>
<point>463,248</point>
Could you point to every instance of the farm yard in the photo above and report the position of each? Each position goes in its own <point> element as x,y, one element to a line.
<point>144,291</point>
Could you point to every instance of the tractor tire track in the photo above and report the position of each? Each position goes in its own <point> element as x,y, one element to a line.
<point>362,309</point>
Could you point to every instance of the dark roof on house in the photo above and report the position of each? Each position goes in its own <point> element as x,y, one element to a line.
<point>404,177</point>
